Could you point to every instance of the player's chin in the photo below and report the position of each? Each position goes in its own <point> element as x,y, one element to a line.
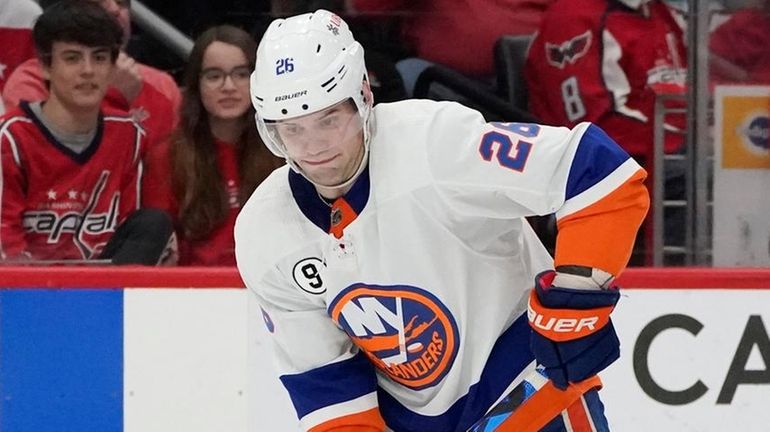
<point>325,177</point>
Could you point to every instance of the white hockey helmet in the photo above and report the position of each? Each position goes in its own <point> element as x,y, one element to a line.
<point>306,64</point>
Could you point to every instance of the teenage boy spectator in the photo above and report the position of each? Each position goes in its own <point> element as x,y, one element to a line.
<point>151,96</point>
<point>71,174</point>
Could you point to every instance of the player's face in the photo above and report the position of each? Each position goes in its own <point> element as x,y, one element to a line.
<point>79,75</point>
<point>328,145</point>
<point>224,82</point>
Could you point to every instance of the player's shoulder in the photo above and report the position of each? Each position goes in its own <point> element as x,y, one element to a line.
<point>269,226</point>
<point>267,207</point>
<point>417,111</point>
<point>414,124</point>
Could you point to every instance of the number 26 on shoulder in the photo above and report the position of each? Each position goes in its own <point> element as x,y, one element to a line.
<point>499,144</point>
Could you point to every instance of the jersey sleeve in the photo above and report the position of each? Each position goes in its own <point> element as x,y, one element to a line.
<point>513,170</point>
<point>12,198</point>
<point>330,382</point>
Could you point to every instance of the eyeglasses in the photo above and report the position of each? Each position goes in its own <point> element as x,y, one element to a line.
<point>215,78</point>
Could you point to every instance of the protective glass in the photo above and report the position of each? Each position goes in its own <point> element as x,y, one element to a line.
<point>338,123</point>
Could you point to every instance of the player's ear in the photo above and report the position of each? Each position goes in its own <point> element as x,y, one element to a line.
<point>368,95</point>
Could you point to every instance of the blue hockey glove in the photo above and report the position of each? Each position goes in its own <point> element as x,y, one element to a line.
<point>573,337</point>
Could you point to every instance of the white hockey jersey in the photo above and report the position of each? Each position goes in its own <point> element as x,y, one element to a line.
<point>417,313</point>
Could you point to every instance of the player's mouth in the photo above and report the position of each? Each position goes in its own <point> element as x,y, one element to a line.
<point>319,162</point>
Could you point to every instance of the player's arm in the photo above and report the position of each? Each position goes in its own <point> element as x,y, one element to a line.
<point>605,203</point>
<point>13,244</point>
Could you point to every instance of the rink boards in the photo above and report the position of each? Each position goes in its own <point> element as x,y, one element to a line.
<point>184,349</point>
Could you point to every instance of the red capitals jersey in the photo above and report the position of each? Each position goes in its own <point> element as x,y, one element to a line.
<point>16,45</point>
<point>58,204</point>
<point>218,248</point>
<point>599,61</point>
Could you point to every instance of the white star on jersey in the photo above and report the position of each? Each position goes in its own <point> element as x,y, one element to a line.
<point>72,194</point>
<point>51,194</point>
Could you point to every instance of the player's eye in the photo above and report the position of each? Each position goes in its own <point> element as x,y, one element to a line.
<point>329,122</point>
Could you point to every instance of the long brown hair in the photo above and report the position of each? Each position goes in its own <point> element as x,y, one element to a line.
<point>197,182</point>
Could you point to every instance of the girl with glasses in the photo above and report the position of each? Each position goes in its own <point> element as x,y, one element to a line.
<point>215,158</point>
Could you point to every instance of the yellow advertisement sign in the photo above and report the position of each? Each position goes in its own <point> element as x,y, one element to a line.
<point>745,132</point>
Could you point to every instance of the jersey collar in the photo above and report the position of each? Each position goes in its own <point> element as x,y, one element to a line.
<point>317,210</point>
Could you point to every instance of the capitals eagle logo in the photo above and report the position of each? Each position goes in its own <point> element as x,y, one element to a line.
<point>569,51</point>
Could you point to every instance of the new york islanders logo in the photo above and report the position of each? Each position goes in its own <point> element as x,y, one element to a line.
<point>405,331</point>
<point>569,51</point>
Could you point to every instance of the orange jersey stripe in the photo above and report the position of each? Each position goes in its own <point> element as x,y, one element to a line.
<point>545,405</point>
<point>602,234</point>
<point>366,421</point>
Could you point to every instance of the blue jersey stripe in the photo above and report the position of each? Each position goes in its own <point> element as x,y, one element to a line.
<point>61,360</point>
<point>331,384</point>
<point>505,363</point>
<point>597,156</point>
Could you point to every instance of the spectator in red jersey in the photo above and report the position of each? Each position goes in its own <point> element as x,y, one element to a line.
<point>148,94</point>
<point>459,34</point>
<point>606,61</point>
<point>740,47</point>
<point>215,158</point>
<point>71,174</point>
<point>16,46</point>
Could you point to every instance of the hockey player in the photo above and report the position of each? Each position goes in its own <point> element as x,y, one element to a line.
<point>71,174</point>
<point>392,260</point>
